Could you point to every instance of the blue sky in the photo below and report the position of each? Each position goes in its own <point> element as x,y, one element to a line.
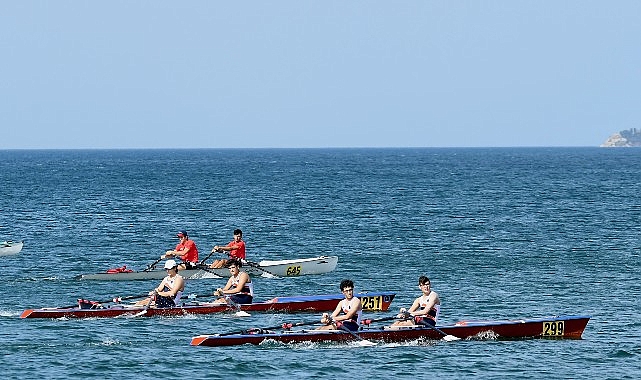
<point>212,74</point>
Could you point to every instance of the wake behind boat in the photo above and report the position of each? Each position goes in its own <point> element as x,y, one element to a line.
<point>372,301</point>
<point>8,248</point>
<point>570,327</point>
<point>265,268</point>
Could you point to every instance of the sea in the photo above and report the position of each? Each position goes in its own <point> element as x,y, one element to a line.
<point>503,233</point>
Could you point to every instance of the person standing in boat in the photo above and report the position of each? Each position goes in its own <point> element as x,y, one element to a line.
<point>171,288</point>
<point>236,249</point>
<point>425,309</point>
<point>348,312</point>
<point>185,250</point>
<point>239,287</point>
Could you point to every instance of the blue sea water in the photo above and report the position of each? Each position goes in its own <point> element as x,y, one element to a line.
<point>504,233</point>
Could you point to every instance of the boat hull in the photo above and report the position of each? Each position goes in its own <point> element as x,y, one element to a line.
<point>275,268</point>
<point>568,327</point>
<point>9,248</point>
<point>372,301</point>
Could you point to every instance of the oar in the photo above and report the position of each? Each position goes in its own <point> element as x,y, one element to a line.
<point>239,312</point>
<point>367,322</point>
<point>363,342</point>
<point>202,262</point>
<point>153,265</point>
<point>191,296</point>
<point>115,299</point>
<point>257,266</point>
<point>205,267</point>
<point>284,326</point>
<point>144,311</point>
<point>446,337</point>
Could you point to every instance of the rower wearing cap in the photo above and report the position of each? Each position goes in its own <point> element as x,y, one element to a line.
<point>185,250</point>
<point>171,288</point>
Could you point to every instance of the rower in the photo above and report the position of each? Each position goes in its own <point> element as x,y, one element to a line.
<point>235,249</point>
<point>239,287</point>
<point>348,312</point>
<point>171,288</point>
<point>424,310</point>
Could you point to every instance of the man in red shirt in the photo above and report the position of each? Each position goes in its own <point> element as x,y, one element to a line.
<point>236,249</point>
<point>185,250</point>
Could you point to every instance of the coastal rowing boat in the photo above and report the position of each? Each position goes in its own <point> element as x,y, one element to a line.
<point>8,248</point>
<point>265,268</point>
<point>372,301</point>
<point>552,327</point>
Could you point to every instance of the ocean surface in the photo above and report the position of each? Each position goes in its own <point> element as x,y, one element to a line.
<point>503,233</point>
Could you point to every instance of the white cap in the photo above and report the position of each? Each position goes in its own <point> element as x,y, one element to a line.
<point>170,264</point>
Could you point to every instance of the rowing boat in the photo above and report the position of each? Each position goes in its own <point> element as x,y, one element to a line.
<point>265,268</point>
<point>8,248</point>
<point>372,301</point>
<point>551,327</point>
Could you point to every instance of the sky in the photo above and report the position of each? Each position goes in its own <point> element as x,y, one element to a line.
<point>317,74</point>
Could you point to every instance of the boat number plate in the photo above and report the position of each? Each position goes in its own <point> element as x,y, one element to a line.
<point>372,302</point>
<point>293,270</point>
<point>553,328</point>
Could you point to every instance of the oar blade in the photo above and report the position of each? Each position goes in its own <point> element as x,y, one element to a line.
<point>242,314</point>
<point>450,338</point>
<point>366,343</point>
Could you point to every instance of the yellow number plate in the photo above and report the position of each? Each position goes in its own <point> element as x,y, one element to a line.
<point>553,328</point>
<point>372,302</point>
<point>293,271</point>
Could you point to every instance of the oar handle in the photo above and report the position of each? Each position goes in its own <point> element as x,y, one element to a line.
<point>368,322</point>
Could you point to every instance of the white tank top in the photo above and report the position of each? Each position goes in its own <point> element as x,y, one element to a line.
<point>169,284</point>
<point>347,305</point>
<point>247,289</point>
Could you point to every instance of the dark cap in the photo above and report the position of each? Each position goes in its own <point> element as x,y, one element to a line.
<point>182,234</point>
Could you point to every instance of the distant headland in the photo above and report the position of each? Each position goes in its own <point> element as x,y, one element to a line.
<point>631,137</point>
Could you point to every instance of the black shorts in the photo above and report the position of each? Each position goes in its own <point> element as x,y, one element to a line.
<point>190,265</point>
<point>241,298</point>
<point>163,302</point>
<point>350,325</point>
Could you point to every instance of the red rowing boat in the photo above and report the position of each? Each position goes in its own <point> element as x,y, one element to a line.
<point>373,301</point>
<point>552,327</point>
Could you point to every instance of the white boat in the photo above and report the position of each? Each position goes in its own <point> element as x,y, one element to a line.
<point>265,268</point>
<point>8,248</point>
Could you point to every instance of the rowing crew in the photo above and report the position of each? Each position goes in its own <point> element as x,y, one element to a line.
<point>348,312</point>
<point>238,290</point>
<point>187,251</point>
